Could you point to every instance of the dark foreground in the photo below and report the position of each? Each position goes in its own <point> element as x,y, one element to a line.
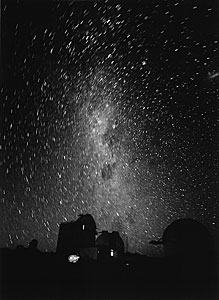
<point>45,276</point>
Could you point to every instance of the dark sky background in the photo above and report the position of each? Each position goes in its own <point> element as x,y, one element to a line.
<point>109,108</point>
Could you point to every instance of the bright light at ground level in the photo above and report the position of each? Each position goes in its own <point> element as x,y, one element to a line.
<point>73,258</point>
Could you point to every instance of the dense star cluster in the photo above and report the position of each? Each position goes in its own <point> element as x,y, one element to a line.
<point>108,109</point>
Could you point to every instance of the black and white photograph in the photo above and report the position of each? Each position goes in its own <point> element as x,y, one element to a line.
<point>109,150</point>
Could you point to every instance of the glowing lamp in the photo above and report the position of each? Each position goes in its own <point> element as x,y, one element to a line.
<point>73,258</point>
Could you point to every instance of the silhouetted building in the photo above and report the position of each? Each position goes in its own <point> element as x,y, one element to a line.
<point>186,237</point>
<point>109,245</point>
<point>33,245</point>
<point>75,237</point>
<point>192,246</point>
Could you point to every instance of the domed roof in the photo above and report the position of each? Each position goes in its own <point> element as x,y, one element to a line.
<point>110,240</point>
<point>186,235</point>
<point>87,221</point>
<point>185,230</point>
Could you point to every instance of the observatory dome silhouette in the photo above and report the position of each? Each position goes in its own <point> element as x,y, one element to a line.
<point>110,245</point>
<point>86,222</point>
<point>186,237</point>
<point>192,246</point>
<point>74,236</point>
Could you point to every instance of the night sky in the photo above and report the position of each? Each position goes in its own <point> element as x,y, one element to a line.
<point>110,109</point>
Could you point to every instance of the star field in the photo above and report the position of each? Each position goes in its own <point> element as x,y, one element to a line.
<point>108,109</point>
